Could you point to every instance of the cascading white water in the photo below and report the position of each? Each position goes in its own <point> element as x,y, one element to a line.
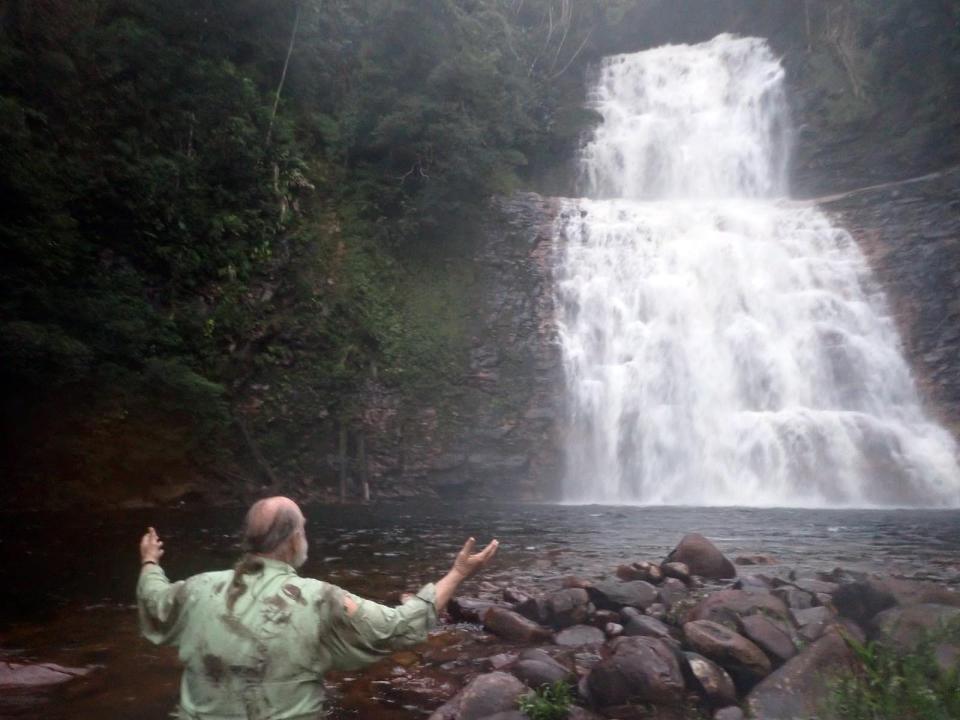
<point>722,346</point>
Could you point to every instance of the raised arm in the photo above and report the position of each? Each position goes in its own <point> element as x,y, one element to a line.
<point>362,631</point>
<point>160,603</point>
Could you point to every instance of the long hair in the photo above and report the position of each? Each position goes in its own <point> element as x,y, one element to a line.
<point>258,539</point>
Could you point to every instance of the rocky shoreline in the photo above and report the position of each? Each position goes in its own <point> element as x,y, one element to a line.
<point>690,637</point>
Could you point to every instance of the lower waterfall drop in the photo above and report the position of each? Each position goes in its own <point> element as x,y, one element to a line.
<point>721,345</point>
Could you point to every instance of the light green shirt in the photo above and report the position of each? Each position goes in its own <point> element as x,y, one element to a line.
<point>264,658</point>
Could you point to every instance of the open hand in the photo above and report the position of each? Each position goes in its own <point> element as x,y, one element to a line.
<point>151,547</point>
<point>468,563</point>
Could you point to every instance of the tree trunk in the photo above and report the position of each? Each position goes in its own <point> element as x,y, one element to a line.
<point>343,461</point>
<point>283,75</point>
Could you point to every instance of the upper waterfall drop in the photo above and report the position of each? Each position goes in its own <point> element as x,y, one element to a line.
<point>681,121</point>
<point>721,346</point>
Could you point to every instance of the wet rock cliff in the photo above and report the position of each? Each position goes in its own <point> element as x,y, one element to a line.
<point>493,432</point>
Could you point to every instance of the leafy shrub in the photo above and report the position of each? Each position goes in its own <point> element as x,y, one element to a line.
<point>891,685</point>
<point>551,702</point>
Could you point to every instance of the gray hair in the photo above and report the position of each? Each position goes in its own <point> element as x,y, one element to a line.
<point>260,538</point>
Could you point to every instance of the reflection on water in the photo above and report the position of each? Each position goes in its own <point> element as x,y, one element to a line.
<point>70,579</point>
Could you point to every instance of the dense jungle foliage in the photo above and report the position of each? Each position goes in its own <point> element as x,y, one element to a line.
<point>222,220</point>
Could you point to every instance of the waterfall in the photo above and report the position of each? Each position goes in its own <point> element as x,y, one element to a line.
<point>722,345</point>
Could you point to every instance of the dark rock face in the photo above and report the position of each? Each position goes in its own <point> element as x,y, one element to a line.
<point>613,595</point>
<point>743,659</point>
<point>513,626</point>
<point>711,680</point>
<point>485,695</point>
<point>494,432</point>
<point>641,670</point>
<point>702,558</point>
<point>798,688</point>
<point>910,234</point>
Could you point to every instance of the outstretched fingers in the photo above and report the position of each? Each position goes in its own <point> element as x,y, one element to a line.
<point>489,551</point>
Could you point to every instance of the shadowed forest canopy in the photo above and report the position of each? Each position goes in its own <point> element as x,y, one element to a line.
<point>223,219</point>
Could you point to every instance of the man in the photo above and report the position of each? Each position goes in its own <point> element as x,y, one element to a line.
<point>256,641</point>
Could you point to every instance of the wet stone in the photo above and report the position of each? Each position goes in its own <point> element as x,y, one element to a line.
<point>613,595</point>
<point>577,635</point>
<point>711,680</point>
<point>568,607</point>
<point>729,713</point>
<point>769,635</point>
<point>649,626</point>
<point>793,597</point>
<point>513,626</point>
<point>677,570</point>
<point>536,668</point>
<point>745,661</point>
<point>702,557</point>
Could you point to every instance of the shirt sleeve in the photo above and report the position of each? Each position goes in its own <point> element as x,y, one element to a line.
<point>374,630</point>
<point>160,606</point>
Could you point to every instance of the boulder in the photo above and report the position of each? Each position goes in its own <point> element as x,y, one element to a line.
<point>483,696</point>
<point>798,689</point>
<point>904,628</point>
<point>513,626</point>
<point>658,611</point>
<point>533,608</point>
<point>568,607</point>
<point>709,679</point>
<point>647,626</point>
<point>753,582</point>
<point>467,609</point>
<point>671,591</point>
<point>746,662</point>
<point>640,571</point>
<point>812,622</point>
<point>577,635</point>
<point>702,557</point>
<point>755,560</point>
<point>769,635</point>
<point>794,598</point>
<point>863,599</point>
<point>727,606</point>
<point>816,587</point>
<point>613,595</point>
<point>24,675</point>
<point>678,570</point>
<point>728,713</point>
<point>536,668</point>
<point>640,670</point>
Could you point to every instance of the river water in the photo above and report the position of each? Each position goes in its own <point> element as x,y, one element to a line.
<point>721,345</point>
<point>69,581</point>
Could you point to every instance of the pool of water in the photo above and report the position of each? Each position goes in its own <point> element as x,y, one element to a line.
<point>70,578</point>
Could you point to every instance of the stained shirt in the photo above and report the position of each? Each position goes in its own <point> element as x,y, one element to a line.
<point>260,651</point>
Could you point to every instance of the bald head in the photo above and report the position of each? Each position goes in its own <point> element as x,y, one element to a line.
<point>270,526</point>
